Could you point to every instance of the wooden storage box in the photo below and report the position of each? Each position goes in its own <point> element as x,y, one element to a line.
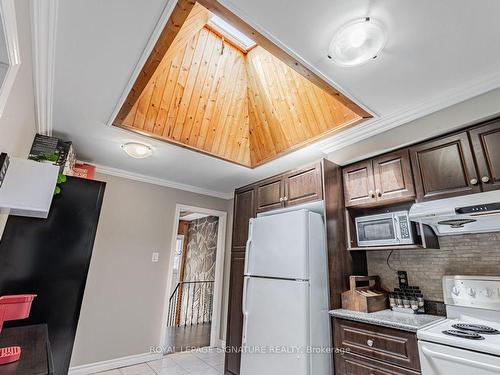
<point>368,298</point>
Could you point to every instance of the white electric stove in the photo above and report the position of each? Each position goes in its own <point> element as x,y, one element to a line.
<point>468,341</point>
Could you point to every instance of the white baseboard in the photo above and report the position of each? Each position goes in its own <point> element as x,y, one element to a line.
<point>111,364</point>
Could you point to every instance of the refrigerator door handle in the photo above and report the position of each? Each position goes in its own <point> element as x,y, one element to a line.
<point>247,255</point>
<point>244,310</point>
<point>247,247</point>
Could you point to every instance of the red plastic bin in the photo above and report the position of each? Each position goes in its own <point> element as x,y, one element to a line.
<point>13,308</point>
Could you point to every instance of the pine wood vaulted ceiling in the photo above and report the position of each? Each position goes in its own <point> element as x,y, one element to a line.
<point>203,89</point>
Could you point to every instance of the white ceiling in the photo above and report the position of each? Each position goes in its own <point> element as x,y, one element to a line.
<point>435,50</point>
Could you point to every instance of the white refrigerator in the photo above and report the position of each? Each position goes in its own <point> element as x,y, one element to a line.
<point>286,326</point>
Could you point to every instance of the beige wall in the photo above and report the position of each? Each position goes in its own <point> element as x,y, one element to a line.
<point>123,303</point>
<point>454,117</point>
<point>17,124</point>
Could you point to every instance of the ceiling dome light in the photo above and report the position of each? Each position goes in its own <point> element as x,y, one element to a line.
<point>137,150</point>
<point>357,42</point>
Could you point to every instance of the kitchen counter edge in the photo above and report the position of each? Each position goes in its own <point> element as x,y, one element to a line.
<point>388,318</point>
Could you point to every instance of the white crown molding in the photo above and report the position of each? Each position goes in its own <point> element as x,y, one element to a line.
<point>43,36</point>
<point>381,124</point>
<point>159,181</point>
<point>155,35</point>
<point>9,22</point>
<point>112,364</point>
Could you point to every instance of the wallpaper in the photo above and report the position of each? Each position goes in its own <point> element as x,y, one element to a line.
<point>199,270</point>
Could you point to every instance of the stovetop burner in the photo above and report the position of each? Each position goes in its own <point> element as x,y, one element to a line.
<point>463,334</point>
<point>477,328</point>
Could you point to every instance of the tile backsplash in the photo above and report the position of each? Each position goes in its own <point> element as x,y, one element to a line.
<point>472,254</point>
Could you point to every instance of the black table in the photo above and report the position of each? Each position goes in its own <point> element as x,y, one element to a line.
<point>36,357</point>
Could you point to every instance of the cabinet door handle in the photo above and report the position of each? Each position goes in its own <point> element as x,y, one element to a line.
<point>285,198</point>
<point>369,342</point>
<point>379,194</point>
<point>282,199</point>
<point>474,181</point>
<point>485,179</point>
<point>371,193</point>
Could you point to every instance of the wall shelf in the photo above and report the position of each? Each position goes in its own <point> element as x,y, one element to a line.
<point>426,238</point>
<point>399,247</point>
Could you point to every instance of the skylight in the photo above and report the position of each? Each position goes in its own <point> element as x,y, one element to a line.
<point>231,32</point>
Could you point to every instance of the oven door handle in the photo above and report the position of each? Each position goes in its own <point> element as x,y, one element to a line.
<point>447,357</point>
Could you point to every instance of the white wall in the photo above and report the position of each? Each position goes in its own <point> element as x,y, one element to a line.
<point>449,119</point>
<point>122,308</point>
<point>17,125</point>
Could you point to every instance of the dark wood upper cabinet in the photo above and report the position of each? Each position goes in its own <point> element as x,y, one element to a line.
<point>393,177</point>
<point>486,146</point>
<point>303,185</point>
<point>270,194</point>
<point>383,180</point>
<point>296,187</point>
<point>444,168</point>
<point>359,184</point>
<point>462,163</point>
<point>244,209</point>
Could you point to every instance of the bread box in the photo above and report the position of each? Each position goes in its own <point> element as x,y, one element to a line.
<point>367,298</point>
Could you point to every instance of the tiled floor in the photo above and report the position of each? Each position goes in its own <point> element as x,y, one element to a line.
<point>203,361</point>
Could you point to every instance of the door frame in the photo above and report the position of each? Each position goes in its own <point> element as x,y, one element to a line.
<point>215,340</point>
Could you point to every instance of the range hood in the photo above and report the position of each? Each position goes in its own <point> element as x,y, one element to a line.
<point>473,213</point>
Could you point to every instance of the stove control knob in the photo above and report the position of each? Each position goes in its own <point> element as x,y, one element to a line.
<point>455,291</point>
<point>471,292</point>
<point>488,292</point>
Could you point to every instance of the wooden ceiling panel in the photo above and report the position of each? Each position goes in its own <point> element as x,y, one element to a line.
<point>211,96</point>
<point>287,108</point>
<point>197,97</point>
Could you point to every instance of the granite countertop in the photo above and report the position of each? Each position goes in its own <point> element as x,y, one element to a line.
<point>388,318</point>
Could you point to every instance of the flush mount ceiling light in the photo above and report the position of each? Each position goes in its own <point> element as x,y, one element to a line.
<point>357,42</point>
<point>137,150</point>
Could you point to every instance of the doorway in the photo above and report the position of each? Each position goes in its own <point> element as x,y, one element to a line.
<point>191,317</point>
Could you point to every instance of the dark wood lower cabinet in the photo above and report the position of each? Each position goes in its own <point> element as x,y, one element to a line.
<point>245,204</point>
<point>370,349</point>
<point>353,364</point>
<point>235,314</point>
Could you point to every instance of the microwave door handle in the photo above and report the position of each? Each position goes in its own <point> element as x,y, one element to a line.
<point>397,228</point>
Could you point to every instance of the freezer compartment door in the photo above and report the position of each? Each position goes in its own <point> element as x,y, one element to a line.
<point>275,327</point>
<point>438,359</point>
<point>278,246</point>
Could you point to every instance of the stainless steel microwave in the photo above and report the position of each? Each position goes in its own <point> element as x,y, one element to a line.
<point>392,228</point>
